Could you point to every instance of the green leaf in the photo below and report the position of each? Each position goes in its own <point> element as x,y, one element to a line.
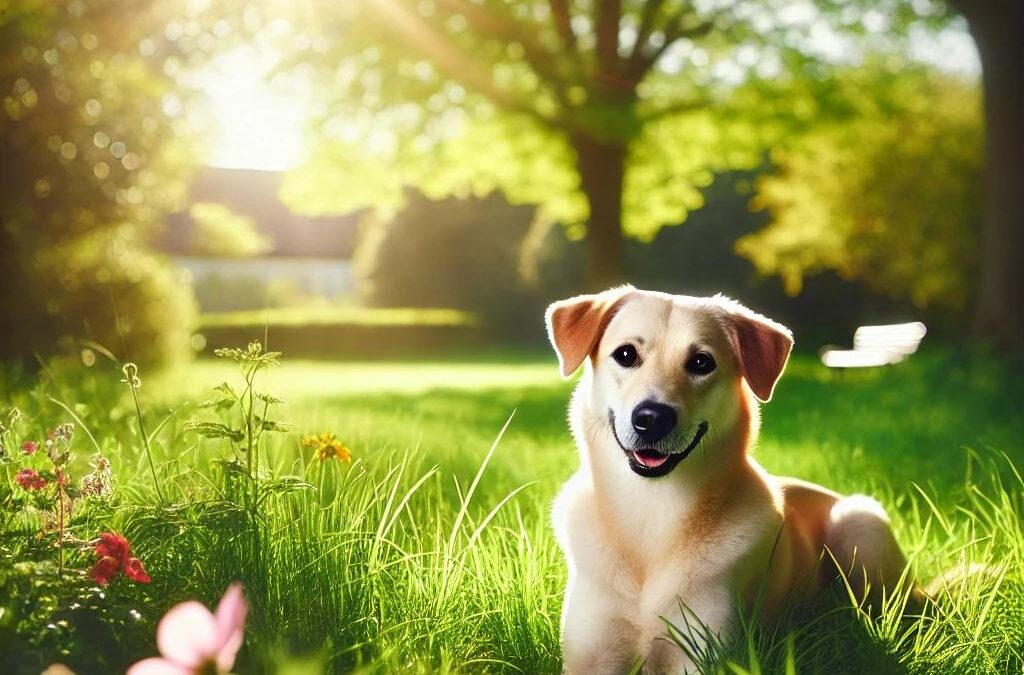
<point>214,430</point>
<point>273,425</point>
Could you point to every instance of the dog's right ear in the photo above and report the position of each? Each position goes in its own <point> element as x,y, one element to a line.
<point>576,325</point>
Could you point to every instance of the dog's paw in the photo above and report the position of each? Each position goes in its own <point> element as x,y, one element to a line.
<point>667,658</point>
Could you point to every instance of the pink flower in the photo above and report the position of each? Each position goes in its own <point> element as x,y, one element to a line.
<point>194,641</point>
<point>29,447</point>
<point>30,480</point>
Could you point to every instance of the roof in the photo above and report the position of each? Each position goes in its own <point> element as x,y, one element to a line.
<point>254,193</point>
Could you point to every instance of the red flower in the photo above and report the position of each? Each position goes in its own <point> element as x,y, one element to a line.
<point>114,546</point>
<point>135,571</point>
<point>105,569</point>
<point>29,447</point>
<point>116,556</point>
<point>30,480</point>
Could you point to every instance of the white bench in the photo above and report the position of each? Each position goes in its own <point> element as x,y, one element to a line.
<point>877,346</point>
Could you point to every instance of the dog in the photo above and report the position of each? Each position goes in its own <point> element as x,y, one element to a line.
<point>668,519</point>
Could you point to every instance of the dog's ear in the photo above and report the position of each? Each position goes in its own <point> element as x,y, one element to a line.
<point>576,325</point>
<point>762,347</point>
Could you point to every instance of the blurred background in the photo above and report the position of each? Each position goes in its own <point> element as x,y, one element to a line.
<point>381,177</point>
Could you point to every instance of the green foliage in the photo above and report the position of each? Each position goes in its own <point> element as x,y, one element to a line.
<point>890,195</point>
<point>90,164</point>
<point>108,286</point>
<point>462,254</point>
<point>223,233</point>
<point>460,97</point>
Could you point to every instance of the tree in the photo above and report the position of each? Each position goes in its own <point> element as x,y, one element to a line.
<point>610,113</point>
<point>997,27</point>
<point>889,196</point>
<point>90,164</point>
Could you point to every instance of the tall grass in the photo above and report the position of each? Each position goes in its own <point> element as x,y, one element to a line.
<point>431,552</point>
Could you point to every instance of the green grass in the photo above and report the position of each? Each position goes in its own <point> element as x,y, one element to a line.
<point>431,553</point>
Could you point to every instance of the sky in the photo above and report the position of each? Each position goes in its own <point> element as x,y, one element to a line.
<point>258,124</point>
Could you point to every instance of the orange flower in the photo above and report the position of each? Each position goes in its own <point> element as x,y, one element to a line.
<point>328,447</point>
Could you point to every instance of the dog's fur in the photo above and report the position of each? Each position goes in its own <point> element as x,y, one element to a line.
<point>717,533</point>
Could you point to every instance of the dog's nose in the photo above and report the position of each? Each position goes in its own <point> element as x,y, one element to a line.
<point>653,421</point>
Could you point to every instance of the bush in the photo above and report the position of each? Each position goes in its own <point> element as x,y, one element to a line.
<point>891,198</point>
<point>112,289</point>
<point>457,253</point>
<point>91,165</point>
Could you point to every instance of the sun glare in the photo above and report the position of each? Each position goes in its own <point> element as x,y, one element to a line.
<point>258,123</point>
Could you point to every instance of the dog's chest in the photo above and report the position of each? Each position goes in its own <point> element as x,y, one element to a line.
<point>635,547</point>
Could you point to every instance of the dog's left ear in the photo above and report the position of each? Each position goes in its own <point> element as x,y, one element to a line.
<point>576,325</point>
<point>762,347</point>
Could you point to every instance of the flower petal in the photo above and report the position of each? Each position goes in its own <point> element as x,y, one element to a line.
<point>104,570</point>
<point>187,635</point>
<point>157,666</point>
<point>226,655</point>
<point>114,545</point>
<point>230,617</point>
<point>135,571</point>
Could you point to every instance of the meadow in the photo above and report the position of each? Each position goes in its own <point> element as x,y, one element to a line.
<point>429,548</point>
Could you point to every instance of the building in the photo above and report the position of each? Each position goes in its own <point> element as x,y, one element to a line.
<point>309,256</point>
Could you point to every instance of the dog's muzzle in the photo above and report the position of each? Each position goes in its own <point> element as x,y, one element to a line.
<point>652,462</point>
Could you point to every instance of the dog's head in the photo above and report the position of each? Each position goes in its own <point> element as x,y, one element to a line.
<point>667,370</point>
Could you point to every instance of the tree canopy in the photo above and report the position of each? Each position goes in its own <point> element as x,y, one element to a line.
<point>610,115</point>
<point>889,195</point>
<point>91,162</point>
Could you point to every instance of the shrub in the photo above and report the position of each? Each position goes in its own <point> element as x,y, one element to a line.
<point>457,253</point>
<point>110,288</point>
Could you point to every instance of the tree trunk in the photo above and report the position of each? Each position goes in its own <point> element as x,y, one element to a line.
<point>997,27</point>
<point>602,167</point>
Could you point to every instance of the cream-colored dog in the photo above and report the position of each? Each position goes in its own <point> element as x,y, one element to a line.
<point>668,510</point>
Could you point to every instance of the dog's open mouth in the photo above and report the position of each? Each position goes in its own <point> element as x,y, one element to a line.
<point>651,462</point>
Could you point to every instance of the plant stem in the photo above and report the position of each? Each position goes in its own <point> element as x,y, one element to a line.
<point>145,442</point>
<point>60,523</point>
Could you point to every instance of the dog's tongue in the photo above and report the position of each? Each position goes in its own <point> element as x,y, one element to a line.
<point>649,458</point>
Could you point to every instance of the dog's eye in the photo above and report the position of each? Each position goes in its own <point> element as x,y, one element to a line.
<point>625,355</point>
<point>700,363</point>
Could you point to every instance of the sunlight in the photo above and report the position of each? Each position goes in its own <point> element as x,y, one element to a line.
<point>258,122</point>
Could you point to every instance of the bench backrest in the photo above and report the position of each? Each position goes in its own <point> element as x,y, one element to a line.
<point>900,339</point>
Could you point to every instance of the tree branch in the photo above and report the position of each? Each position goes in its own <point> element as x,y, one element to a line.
<point>643,32</point>
<point>640,63</point>
<point>506,29</point>
<point>563,24</point>
<point>455,62</point>
<point>606,23</point>
<point>675,109</point>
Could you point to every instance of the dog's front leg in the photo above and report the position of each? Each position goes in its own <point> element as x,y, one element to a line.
<point>696,628</point>
<point>595,633</point>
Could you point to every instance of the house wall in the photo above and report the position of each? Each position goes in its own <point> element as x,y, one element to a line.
<point>224,284</point>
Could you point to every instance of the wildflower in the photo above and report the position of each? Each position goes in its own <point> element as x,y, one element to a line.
<point>98,482</point>
<point>116,556</point>
<point>58,442</point>
<point>192,640</point>
<point>30,480</point>
<point>64,432</point>
<point>328,447</point>
<point>29,447</point>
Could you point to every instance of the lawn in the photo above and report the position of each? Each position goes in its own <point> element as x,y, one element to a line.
<point>431,550</point>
